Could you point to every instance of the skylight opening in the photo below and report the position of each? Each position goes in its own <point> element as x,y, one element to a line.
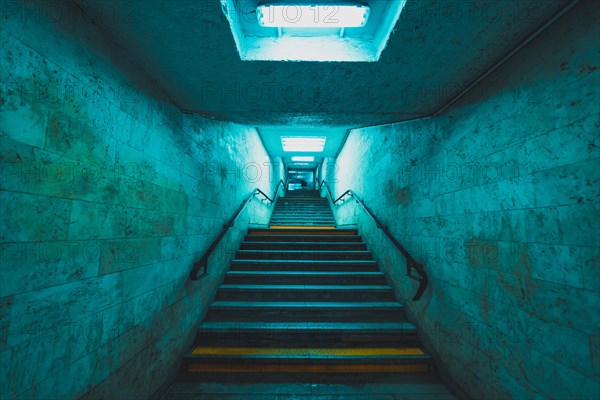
<point>302,30</point>
<point>312,16</point>
<point>303,144</point>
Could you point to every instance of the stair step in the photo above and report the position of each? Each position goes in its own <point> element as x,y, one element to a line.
<point>305,334</point>
<point>305,213</point>
<point>301,224</point>
<point>316,214</point>
<point>326,353</point>
<point>304,265</point>
<point>302,221</point>
<point>305,277</point>
<point>303,206</point>
<point>296,218</point>
<point>304,231</point>
<point>306,292</point>
<point>313,213</point>
<point>294,359</point>
<point>424,386</point>
<point>329,245</point>
<point>303,238</point>
<point>295,194</point>
<point>319,207</point>
<point>307,201</point>
<point>315,306</point>
<point>305,368</point>
<point>317,210</point>
<point>306,311</point>
<point>302,255</point>
<point>306,288</point>
<point>301,214</point>
<point>349,327</point>
<point>284,209</point>
<point>303,203</point>
<point>303,199</point>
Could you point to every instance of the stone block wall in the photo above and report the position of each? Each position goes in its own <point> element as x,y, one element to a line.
<point>499,197</point>
<point>107,195</point>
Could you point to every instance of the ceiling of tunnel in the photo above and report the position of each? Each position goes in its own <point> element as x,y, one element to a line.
<point>437,48</point>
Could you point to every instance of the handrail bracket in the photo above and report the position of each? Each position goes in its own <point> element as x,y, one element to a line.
<point>202,264</point>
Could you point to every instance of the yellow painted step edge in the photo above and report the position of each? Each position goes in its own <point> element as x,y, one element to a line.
<point>309,368</point>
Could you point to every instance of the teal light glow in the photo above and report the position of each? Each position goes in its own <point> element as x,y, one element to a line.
<point>312,16</point>
<point>303,158</point>
<point>303,144</point>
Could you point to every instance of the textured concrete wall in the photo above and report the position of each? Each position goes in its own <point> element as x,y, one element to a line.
<point>499,198</point>
<point>108,194</point>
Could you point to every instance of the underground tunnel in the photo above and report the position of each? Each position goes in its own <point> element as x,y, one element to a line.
<point>290,199</point>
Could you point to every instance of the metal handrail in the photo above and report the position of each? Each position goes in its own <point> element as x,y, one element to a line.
<point>411,264</point>
<point>203,262</point>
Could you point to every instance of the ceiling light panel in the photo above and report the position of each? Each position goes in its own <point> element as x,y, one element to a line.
<point>303,144</point>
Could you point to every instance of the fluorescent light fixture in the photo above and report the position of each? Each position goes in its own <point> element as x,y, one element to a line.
<point>303,144</point>
<point>313,16</point>
<point>303,158</point>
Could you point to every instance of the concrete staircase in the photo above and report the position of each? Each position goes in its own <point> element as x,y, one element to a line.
<point>305,299</point>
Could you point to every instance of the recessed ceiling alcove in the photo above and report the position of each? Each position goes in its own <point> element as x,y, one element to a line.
<point>309,31</point>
